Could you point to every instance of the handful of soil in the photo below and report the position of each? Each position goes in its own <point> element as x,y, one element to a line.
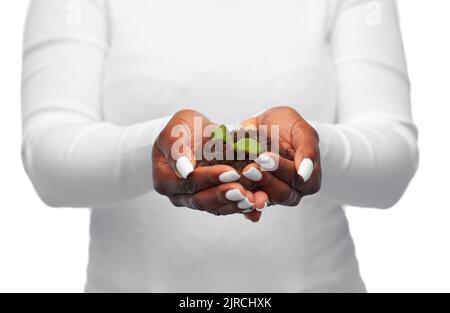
<point>237,149</point>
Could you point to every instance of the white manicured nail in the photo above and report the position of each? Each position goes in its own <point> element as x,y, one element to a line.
<point>253,174</point>
<point>263,158</point>
<point>245,204</point>
<point>263,208</point>
<point>234,195</point>
<point>229,177</point>
<point>305,169</point>
<point>184,167</point>
<point>266,162</point>
<point>248,211</point>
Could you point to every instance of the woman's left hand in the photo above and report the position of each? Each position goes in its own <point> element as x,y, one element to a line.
<point>285,181</point>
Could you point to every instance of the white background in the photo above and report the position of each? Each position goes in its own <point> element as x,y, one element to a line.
<point>405,249</point>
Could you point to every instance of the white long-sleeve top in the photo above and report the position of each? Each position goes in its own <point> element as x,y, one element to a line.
<point>102,77</point>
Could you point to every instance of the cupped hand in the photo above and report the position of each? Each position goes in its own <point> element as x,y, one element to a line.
<point>288,178</point>
<point>212,189</point>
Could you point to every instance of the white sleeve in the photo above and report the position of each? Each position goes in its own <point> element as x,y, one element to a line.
<point>72,156</point>
<point>370,155</point>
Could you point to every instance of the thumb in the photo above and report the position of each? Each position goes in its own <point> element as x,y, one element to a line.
<point>304,140</point>
<point>175,143</point>
<point>250,123</point>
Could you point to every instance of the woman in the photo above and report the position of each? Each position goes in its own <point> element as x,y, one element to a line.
<point>104,81</point>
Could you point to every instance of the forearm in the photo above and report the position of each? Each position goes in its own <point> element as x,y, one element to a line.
<point>73,157</point>
<point>370,153</point>
<point>369,163</point>
<point>74,161</point>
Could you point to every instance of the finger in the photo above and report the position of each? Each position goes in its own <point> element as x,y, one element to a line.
<point>253,216</point>
<point>305,144</point>
<point>243,206</point>
<point>277,190</point>
<point>246,205</point>
<point>175,142</point>
<point>261,202</point>
<point>307,157</point>
<point>166,182</point>
<point>217,197</point>
<point>284,169</point>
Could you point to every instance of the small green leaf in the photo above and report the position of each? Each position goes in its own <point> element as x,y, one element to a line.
<point>221,133</point>
<point>249,145</point>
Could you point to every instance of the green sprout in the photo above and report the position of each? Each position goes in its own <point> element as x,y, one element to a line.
<point>248,145</point>
<point>221,133</point>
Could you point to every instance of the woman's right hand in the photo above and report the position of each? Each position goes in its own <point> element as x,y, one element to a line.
<point>212,189</point>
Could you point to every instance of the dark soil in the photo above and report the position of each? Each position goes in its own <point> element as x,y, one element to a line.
<point>239,165</point>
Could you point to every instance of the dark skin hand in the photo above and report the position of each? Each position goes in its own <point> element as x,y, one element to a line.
<point>291,180</point>
<point>202,188</point>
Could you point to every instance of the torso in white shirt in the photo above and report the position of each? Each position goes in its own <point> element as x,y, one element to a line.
<point>229,60</point>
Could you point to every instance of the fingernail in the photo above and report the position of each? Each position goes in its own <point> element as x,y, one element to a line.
<point>253,174</point>
<point>245,204</point>
<point>305,169</point>
<point>184,167</point>
<point>266,162</point>
<point>263,158</point>
<point>248,211</point>
<point>234,195</point>
<point>263,208</point>
<point>229,177</point>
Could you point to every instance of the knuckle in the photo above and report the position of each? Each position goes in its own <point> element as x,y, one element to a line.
<point>297,199</point>
<point>175,201</point>
<point>293,199</point>
<point>194,204</point>
<point>189,186</point>
<point>159,187</point>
